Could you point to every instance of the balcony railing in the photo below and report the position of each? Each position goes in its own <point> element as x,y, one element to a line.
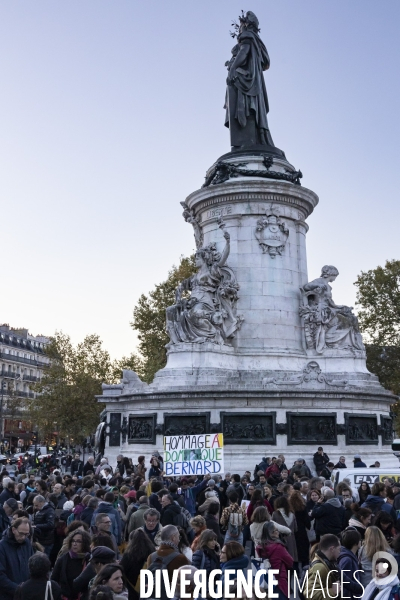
<point>10,374</point>
<point>25,394</point>
<point>29,378</point>
<point>28,361</point>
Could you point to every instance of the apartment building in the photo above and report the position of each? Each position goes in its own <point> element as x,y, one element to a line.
<point>22,360</point>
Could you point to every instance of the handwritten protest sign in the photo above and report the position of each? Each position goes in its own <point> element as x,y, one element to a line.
<point>194,454</point>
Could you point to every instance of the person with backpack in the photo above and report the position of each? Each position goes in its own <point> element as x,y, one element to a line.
<point>167,556</point>
<point>323,569</point>
<point>206,556</point>
<point>233,520</point>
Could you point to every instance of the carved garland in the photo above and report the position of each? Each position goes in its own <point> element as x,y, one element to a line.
<point>223,171</point>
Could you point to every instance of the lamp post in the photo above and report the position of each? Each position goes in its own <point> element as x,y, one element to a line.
<point>1,410</point>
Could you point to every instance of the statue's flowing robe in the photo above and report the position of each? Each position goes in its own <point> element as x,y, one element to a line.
<point>248,92</point>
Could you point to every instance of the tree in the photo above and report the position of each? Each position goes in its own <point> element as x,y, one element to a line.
<point>67,391</point>
<point>378,297</point>
<point>149,318</point>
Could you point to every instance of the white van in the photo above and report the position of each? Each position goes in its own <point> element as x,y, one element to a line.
<point>370,475</point>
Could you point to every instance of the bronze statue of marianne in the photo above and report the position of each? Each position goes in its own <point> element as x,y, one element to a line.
<point>246,100</point>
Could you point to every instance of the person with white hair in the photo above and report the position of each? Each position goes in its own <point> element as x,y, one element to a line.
<point>103,463</point>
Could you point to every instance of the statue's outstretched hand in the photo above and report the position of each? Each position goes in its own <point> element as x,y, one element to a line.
<point>226,235</point>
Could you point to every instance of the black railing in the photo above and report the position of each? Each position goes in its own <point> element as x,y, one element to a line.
<point>10,374</point>
<point>22,359</point>
<point>29,378</point>
<point>24,394</point>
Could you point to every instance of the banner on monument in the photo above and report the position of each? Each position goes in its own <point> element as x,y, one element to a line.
<point>193,454</point>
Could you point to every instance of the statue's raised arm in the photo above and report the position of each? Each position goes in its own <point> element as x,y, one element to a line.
<point>226,250</point>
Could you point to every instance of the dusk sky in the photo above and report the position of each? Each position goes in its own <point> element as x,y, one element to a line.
<point>111,113</point>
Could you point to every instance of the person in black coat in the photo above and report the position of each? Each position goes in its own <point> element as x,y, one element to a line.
<point>205,557</point>
<point>101,555</point>
<point>39,569</point>
<point>77,466</point>
<point>15,552</point>
<point>320,460</point>
<point>327,470</point>
<point>303,520</point>
<point>328,514</point>
<point>348,564</point>
<point>43,523</point>
<point>8,492</point>
<point>135,557</point>
<point>212,521</point>
<point>170,511</point>
<point>87,513</point>
<point>71,564</point>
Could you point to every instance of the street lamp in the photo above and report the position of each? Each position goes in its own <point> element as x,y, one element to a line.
<point>1,408</point>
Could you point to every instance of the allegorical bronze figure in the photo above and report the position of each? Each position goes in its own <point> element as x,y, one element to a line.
<point>246,100</point>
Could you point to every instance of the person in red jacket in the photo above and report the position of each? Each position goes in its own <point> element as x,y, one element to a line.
<point>274,469</point>
<point>273,548</point>
<point>258,500</point>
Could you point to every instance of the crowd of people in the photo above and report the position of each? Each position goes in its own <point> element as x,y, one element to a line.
<point>87,534</point>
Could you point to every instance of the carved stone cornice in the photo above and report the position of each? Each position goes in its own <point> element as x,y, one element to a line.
<point>268,191</point>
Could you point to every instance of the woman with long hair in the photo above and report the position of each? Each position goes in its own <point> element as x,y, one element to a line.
<point>364,491</point>
<point>303,521</point>
<point>374,542</point>
<point>361,519</point>
<point>272,548</point>
<point>258,519</point>
<point>184,544</point>
<point>71,564</point>
<point>206,556</point>
<point>135,556</point>
<point>112,576</point>
<point>257,499</point>
<point>284,515</point>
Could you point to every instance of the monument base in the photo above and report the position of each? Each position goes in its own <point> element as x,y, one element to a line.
<point>273,419</point>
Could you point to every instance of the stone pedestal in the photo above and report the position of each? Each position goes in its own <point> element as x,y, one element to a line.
<point>266,387</point>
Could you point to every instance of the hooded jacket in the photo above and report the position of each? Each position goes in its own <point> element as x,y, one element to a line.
<point>13,565</point>
<point>329,517</point>
<point>348,564</point>
<point>108,509</point>
<point>377,503</point>
<point>170,514</point>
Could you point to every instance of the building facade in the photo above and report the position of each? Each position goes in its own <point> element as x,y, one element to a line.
<point>22,360</point>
